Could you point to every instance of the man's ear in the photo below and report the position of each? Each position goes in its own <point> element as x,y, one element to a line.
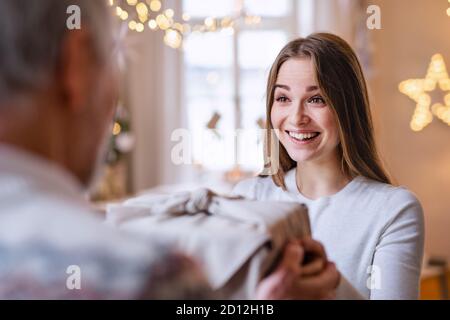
<point>75,70</point>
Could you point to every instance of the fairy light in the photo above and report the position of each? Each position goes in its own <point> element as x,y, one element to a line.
<point>178,26</point>
<point>117,129</point>
<point>132,25</point>
<point>141,13</point>
<point>152,24</point>
<point>163,22</point>
<point>139,27</point>
<point>155,5</point>
<point>416,89</point>
<point>141,9</point>
<point>169,13</point>
<point>172,38</point>
<point>186,17</point>
<point>124,15</point>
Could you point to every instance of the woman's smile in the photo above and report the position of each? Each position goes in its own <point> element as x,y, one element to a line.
<point>302,138</point>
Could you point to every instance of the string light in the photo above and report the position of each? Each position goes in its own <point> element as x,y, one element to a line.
<point>132,25</point>
<point>186,17</point>
<point>155,5</point>
<point>139,27</point>
<point>169,13</point>
<point>152,24</point>
<point>172,38</point>
<point>117,129</point>
<point>417,89</point>
<point>149,13</point>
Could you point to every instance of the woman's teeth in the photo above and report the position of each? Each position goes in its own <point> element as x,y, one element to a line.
<point>303,136</point>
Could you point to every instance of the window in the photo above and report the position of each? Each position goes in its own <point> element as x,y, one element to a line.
<point>225,76</point>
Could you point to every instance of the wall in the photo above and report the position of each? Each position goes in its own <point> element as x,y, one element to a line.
<point>412,31</point>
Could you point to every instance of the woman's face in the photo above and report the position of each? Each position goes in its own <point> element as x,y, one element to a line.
<point>307,126</point>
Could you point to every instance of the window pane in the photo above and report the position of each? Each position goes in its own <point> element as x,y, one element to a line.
<point>257,52</point>
<point>206,8</point>
<point>258,49</point>
<point>268,8</point>
<point>250,149</point>
<point>213,149</point>
<point>208,82</point>
<point>209,90</point>
<point>208,50</point>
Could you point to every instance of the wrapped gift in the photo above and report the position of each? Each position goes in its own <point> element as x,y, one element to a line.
<point>236,241</point>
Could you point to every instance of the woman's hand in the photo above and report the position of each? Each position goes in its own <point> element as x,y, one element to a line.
<point>317,279</point>
<point>315,258</point>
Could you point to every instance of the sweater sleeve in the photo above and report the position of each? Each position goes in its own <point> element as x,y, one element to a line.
<point>395,272</point>
<point>246,188</point>
<point>345,291</point>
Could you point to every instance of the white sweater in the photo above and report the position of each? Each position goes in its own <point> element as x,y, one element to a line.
<point>374,232</point>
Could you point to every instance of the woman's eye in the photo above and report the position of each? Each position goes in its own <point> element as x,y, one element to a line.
<point>316,100</point>
<point>282,99</point>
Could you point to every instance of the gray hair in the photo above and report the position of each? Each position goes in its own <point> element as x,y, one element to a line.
<point>31,37</point>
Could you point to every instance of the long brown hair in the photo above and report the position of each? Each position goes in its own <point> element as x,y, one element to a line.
<point>342,83</point>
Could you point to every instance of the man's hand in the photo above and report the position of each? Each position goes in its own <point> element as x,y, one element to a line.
<point>291,280</point>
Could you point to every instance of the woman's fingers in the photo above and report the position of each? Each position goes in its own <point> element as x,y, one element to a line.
<point>289,280</point>
<point>320,286</point>
<point>278,284</point>
<point>292,258</point>
<point>318,258</point>
<point>314,247</point>
<point>331,296</point>
<point>314,267</point>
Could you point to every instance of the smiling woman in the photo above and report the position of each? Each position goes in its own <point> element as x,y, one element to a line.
<point>324,69</point>
<point>318,106</point>
<point>307,126</point>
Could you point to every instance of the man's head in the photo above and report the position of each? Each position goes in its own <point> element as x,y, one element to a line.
<point>57,86</point>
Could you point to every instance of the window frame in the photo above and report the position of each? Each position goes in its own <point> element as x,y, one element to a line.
<point>287,23</point>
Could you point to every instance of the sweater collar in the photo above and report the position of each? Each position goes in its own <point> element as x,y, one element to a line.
<point>291,186</point>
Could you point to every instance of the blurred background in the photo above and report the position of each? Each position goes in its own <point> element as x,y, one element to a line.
<point>202,65</point>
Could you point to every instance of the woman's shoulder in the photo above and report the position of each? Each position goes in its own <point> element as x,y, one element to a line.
<point>399,199</point>
<point>388,191</point>
<point>257,188</point>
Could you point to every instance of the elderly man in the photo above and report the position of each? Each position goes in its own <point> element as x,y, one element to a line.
<point>57,97</point>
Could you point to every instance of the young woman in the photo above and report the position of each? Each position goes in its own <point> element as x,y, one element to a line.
<point>318,106</point>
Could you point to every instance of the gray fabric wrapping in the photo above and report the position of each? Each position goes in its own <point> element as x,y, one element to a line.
<point>235,240</point>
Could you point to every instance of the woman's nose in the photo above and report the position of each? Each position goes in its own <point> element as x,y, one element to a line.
<point>298,115</point>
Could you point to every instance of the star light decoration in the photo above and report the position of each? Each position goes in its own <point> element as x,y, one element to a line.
<point>419,89</point>
<point>150,13</point>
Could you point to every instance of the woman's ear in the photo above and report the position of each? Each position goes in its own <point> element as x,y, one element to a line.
<point>75,71</point>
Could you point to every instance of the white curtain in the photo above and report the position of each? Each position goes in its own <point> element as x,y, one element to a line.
<point>152,95</point>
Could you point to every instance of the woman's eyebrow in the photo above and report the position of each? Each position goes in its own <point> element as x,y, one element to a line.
<point>283,86</point>
<point>311,88</point>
